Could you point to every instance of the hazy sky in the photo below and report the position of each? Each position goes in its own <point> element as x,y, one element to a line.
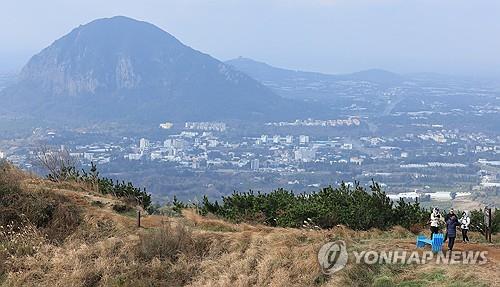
<point>334,36</point>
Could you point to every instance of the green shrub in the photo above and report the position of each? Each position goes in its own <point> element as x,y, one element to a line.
<point>477,220</point>
<point>124,190</point>
<point>352,206</point>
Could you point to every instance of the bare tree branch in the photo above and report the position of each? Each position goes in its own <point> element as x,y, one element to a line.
<point>58,163</point>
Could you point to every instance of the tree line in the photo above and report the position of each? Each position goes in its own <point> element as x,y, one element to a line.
<point>351,205</point>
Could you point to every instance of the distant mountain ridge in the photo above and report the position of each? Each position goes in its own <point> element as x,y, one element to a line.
<point>265,72</point>
<point>123,69</point>
<point>335,91</point>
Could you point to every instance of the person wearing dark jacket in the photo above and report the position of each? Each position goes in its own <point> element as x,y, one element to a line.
<point>446,218</point>
<point>449,214</point>
<point>451,231</point>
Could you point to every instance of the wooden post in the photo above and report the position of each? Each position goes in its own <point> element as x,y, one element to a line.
<point>138,218</point>
<point>489,225</point>
<point>486,222</point>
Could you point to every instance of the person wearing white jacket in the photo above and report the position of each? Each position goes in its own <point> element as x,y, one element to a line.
<point>435,220</point>
<point>464,225</point>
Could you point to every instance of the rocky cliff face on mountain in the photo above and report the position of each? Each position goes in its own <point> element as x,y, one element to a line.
<point>123,69</point>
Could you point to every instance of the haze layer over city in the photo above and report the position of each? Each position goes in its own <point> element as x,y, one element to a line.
<point>195,98</point>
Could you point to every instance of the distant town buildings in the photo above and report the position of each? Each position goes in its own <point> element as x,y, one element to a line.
<point>88,156</point>
<point>437,137</point>
<point>206,126</point>
<point>134,156</point>
<point>143,144</point>
<point>303,139</point>
<point>166,125</point>
<point>430,154</point>
<point>305,154</point>
<point>351,121</point>
<point>263,139</point>
<point>356,160</point>
<point>276,139</point>
<point>347,146</point>
<point>254,164</point>
<point>195,164</point>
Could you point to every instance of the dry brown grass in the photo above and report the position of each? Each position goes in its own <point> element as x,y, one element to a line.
<point>53,214</point>
<point>99,247</point>
<point>10,175</point>
<point>212,223</point>
<point>179,252</point>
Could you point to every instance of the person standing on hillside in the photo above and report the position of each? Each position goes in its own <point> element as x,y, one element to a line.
<point>465,221</point>
<point>446,218</point>
<point>451,231</point>
<point>449,214</point>
<point>435,219</point>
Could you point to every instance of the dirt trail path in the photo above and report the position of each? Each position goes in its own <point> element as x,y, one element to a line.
<point>490,271</point>
<point>493,254</point>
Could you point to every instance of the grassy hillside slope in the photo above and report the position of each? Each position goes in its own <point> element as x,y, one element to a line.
<point>65,235</point>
